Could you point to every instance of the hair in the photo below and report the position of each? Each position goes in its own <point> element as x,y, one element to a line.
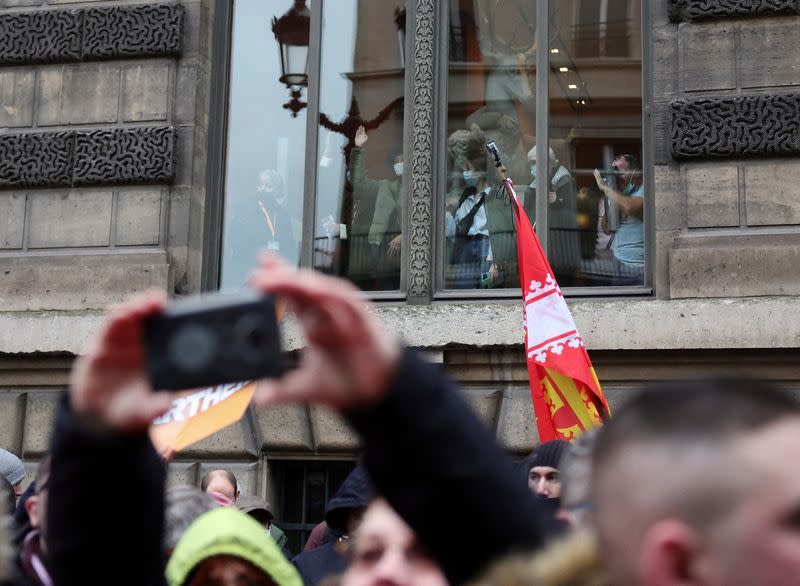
<point>576,465</point>
<point>632,160</point>
<point>182,506</point>
<point>468,145</point>
<point>711,410</point>
<point>672,452</point>
<point>228,474</point>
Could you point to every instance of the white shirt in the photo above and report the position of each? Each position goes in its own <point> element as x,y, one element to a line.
<point>479,222</point>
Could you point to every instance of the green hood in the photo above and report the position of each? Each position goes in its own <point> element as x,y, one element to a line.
<point>226,531</point>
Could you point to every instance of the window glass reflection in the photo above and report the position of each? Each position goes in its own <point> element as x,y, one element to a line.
<point>491,97</point>
<point>359,198</point>
<point>595,225</point>
<point>264,179</point>
<point>596,135</point>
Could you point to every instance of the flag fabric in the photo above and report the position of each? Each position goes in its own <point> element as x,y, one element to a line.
<point>567,398</point>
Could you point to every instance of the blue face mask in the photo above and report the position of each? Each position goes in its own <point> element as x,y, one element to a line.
<point>533,170</point>
<point>470,178</point>
<point>628,188</point>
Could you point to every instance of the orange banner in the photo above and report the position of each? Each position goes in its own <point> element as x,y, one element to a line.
<point>197,414</point>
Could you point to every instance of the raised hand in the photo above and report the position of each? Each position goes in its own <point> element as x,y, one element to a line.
<point>361,136</point>
<point>349,359</point>
<point>108,385</point>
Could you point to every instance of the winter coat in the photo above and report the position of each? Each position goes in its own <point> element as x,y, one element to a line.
<point>443,472</point>
<point>573,561</point>
<point>226,531</point>
<point>328,559</point>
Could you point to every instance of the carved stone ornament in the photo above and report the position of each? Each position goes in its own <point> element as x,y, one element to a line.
<point>692,10</point>
<point>114,32</point>
<point>91,157</point>
<point>126,155</point>
<point>733,127</point>
<point>419,274</point>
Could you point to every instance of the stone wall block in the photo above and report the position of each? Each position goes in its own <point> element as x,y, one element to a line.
<point>138,220</point>
<point>284,428</point>
<point>665,240</point>
<point>712,195</point>
<point>192,26</point>
<point>770,52</point>
<point>185,156</point>
<point>247,474</point>
<point>183,474</point>
<point>331,432</point>
<point>516,428</point>
<point>16,98</point>
<point>146,92</point>
<point>12,219</point>
<point>185,94</point>
<point>49,81</point>
<point>90,94</point>
<point>728,271</point>
<point>235,442</point>
<point>669,195</point>
<point>772,192</point>
<point>485,403</point>
<point>65,219</point>
<point>40,413</point>
<point>707,56</point>
<point>59,282</point>
<point>12,408</point>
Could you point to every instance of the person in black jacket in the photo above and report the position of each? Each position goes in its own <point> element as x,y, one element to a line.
<point>343,515</point>
<point>426,451</point>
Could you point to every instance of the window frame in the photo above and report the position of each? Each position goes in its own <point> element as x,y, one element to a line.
<point>440,293</point>
<point>424,146</point>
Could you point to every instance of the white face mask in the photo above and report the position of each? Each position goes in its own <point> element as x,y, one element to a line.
<point>398,168</point>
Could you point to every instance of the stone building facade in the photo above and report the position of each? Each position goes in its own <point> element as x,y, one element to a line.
<point>112,117</point>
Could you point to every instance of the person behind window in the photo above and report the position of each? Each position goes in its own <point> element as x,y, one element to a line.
<point>563,252</point>
<point>281,229</point>
<point>467,221</point>
<point>626,199</point>
<point>379,237</point>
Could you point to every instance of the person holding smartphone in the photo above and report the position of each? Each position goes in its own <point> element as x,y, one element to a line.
<point>628,195</point>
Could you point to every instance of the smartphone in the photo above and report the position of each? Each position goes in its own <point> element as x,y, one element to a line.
<point>208,340</point>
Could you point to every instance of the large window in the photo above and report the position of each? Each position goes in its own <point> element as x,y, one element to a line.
<point>317,133</point>
<point>331,73</point>
<point>593,181</point>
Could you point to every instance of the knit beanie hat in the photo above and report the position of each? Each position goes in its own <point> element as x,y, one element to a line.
<point>11,467</point>
<point>547,454</point>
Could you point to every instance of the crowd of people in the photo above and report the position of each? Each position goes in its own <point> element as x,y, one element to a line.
<point>690,483</point>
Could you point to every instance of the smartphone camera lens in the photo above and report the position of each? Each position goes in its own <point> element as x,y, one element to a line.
<point>193,347</point>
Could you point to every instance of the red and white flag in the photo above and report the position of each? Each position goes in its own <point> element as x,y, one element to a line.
<point>567,398</point>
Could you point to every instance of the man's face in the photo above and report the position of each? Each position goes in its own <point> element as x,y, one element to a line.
<point>386,552</point>
<point>759,543</point>
<point>624,171</point>
<point>220,483</point>
<point>545,481</point>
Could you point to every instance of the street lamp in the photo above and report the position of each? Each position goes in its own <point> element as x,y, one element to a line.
<point>292,31</point>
